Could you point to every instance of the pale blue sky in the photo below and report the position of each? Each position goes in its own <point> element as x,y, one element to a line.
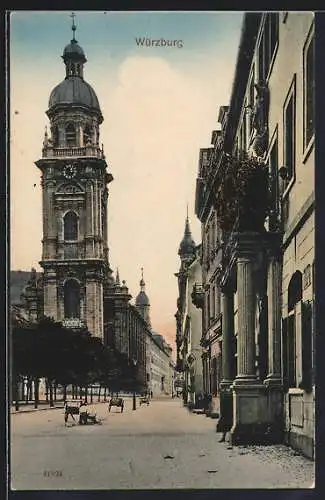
<point>160,106</point>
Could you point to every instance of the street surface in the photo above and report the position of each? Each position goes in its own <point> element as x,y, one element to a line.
<point>157,446</point>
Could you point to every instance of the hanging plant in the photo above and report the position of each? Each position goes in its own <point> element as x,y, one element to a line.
<point>243,195</point>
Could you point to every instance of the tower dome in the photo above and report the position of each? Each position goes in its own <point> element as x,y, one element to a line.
<point>142,298</point>
<point>74,51</point>
<point>187,246</point>
<point>74,89</point>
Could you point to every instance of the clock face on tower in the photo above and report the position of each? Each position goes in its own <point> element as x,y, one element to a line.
<point>69,171</point>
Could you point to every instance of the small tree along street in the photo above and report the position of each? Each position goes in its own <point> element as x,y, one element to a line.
<point>66,357</point>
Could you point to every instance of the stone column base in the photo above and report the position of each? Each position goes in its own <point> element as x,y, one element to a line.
<point>226,408</point>
<point>250,412</point>
<point>275,410</point>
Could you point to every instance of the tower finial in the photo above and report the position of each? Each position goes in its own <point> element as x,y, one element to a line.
<point>73,15</point>
<point>141,272</point>
<point>117,276</point>
<point>187,211</point>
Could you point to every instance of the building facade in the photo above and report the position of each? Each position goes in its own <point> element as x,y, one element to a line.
<point>189,318</point>
<point>161,366</point>
<point>259,179</point>
<point>159,378</point>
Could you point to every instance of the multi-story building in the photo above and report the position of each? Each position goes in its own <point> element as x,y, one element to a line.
<point>189,318</point>
<point>159,378</point>
<point>260,182</point>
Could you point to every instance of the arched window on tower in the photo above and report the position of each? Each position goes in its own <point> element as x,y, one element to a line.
<point>55,136</point>
<point>70,135</point>
<point>71,299</point>
<point>70,226</point>
<point>86,134</point>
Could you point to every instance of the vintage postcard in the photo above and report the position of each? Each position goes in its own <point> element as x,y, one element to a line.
<point>162,276</point>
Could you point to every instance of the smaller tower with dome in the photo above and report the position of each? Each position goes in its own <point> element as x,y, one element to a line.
<point>187,247</point>
<point>142,301</point>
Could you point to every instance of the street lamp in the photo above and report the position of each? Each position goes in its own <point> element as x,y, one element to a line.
<point>134,361</point>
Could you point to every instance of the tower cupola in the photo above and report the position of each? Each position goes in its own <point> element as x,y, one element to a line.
<point>187,247</point>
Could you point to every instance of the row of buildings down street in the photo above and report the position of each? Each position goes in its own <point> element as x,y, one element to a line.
<point>76,285</point>
<point>245,317</point>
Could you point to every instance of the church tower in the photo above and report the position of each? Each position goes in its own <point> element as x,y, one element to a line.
<point>142,301</point>
<point>74,187</point>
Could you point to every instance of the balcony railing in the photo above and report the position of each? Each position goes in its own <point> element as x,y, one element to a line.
<point>51,152</point>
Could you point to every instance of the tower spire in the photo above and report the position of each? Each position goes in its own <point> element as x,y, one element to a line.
<point>73,15</point>
<point>117,277</point>
<point>142,283</point>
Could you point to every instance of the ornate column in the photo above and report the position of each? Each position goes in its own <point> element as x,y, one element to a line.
<point>227,307</point>
<point>274,290</point>
<point>226,399</point>
<point>273,381</point>
<point>250,414</point>
<point>246,317</point>
<point>51,220</point>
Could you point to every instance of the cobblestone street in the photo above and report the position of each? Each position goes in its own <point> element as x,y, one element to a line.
<point>159,446</point>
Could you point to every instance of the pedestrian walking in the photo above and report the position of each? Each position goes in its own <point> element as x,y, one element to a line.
<point>83,413</point>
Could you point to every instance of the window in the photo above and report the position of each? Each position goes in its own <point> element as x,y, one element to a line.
<point>55,136</point>
<point>244,131</point>
<point>70,226</point>
<point>261,59</point>
<point>213,302</point>
<point>306,347</point>
<point>86,135</point>
<point>251,101</point>
<point>71,299</point>
<point>309,89</point>
<point>267,45</point>
<point>307,277</point>
<point>208,308</point>
<point>70,135</point>
<point>292,328</point>
<point>274,185</point>
<point>289,134</point>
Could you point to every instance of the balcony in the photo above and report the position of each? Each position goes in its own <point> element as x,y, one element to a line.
<point>94,151</point>
<point>198,296</point>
